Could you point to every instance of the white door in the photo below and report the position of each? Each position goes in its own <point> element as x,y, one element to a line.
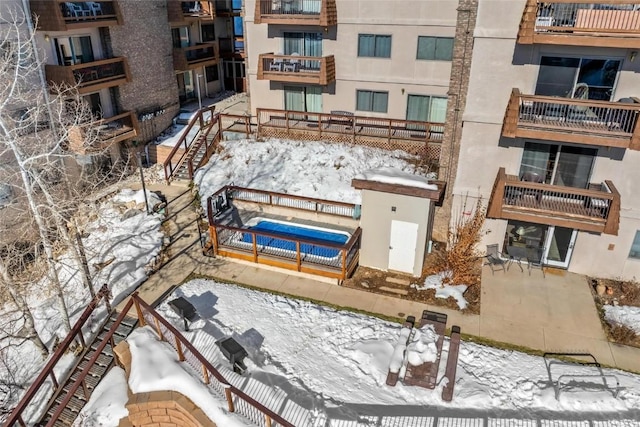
<point>402,246</point>
<point>559,246</point>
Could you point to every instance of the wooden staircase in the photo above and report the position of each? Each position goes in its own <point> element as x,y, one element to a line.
<point>97,371</point>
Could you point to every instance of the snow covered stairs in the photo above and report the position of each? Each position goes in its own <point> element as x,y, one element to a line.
<point>97,371</point>
<point>424,373</point>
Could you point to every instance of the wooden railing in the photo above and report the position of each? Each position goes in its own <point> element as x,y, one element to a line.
<point>324,259</point>
<point>180,11</point>
<point>297,69</point>
<point>596,209</point>
<point>585,121</point>
<point>103,133</point>
<point>41,386</point>
<point>296,12</point>
<point>421,138</point>
<point>195,56</point>
<point>609,23</point>
<point>237,400</point>
<point>90,76</point>
<point>204,119</point>
<point>210,129</point>
<point>60,15</point>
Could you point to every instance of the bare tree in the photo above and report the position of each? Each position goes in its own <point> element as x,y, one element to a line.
<point>40,125</point>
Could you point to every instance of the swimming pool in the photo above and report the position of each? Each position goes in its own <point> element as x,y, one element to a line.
<point>289,230</point>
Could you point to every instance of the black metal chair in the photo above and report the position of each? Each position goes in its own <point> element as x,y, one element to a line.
<point>534,259</point>
<point>494,261</point>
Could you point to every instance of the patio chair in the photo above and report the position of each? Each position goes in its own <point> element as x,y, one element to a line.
<point>276,64</point>
<point>494,261</point>
<point>534,259</point>
<point>94,7</point>
<point>293,64</point>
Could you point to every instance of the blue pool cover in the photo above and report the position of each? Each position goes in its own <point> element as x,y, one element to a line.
<point>295,232</point>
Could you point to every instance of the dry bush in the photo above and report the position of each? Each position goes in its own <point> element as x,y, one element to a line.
<point>622,334</point>
<point>460,256</point>
<point>631,291</point>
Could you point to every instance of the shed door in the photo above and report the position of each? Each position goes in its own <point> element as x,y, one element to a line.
<point>402,246</point>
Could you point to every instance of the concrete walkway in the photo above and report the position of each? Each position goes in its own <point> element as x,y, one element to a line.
<point>555,314</point>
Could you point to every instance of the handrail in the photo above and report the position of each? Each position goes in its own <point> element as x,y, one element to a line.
<point>186,344</point>
<point>16,413</point>
<point>107,339</point>
<point>198,117</point>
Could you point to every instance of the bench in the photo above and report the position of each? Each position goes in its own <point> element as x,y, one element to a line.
<point>339,117</point>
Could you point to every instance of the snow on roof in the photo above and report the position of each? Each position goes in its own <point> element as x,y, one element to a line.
<point>388,175</point>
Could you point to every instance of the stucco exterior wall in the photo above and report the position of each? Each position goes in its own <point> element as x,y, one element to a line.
<point>376,220</point>
<point>500,64</point>
<point>400,75</point>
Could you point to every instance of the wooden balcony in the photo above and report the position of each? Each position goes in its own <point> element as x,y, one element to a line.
<point>90,76</point>
<point>610,23</point>
<point>297,69</point>
<point>580,121</point>
<point>296,12</point>
<point>83,140</point>
<point>596,209</point>
<point>180,12</point>
<point>60,15</point>
<point>199,55</point>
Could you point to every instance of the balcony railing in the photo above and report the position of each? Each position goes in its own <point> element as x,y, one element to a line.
<point>83,140</point>
<point>180,11</point>
<point>230,47</point>
<point>296,12</point>
<point>596,209</point>
<point>297,69</point>
<point>68,15</point>
<point>199,55</point>
<point>584,121</point>
<point>579,23</point>
<point>90,76</point>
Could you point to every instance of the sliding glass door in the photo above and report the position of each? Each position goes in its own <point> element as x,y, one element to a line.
<point>562,77</point>
<point>554,244</point>
<point>565,165</point>
<point>303,98</point>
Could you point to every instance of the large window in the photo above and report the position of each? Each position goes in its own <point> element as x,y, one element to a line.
<point>367,100</point>
<point>427,108</point>
<point>577,77</point>
<point>208,33</point>
<point>635,247</point>
<point>435,48</point>
<point>212,73</point>
<point>563,165</point>
<point>374,45</point>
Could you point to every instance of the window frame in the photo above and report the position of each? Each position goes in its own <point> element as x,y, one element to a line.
<point>371,106</point>
<point>375,41</point>
<point>216,73</point>
<point>435,49</point>
<point>633,254</point>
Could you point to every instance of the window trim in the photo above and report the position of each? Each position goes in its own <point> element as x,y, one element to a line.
<point>631,251</point>
<point>436,38</point>
<point>373,92</point>
<point>374,45</point>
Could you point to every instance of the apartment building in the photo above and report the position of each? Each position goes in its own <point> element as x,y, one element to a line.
<point>386,59</point>
<point>550,133</point>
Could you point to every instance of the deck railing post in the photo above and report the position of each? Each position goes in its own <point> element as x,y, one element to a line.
<point>138,310</point>
<point>267,420</point>
<point>255,247</point>
<point>53,378</point>
<point>298,257</point>
<point>179,348</point>
<point>227,393</point>
<point>205,375</point>
<point>157,323</point>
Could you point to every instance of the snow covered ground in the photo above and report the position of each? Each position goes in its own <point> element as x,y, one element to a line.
<point>321,367</point>
<point>120,241</point>
<point>323,364</point>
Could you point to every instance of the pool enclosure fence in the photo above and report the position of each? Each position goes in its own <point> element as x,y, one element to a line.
<point>240,242</point>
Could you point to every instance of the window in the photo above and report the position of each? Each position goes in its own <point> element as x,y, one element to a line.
<point>435,48</point>
<point>208,33</point>
<point>367,100</point>
<point>374,45</point>
<point>635,247</point>
<point>212,73</point>
<point>559,76</point>
<point>554,164</point>
<point>427,108</point>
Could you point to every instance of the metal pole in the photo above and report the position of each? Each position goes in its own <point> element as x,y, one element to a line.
<point>144,189</point>
<point>198,90</point>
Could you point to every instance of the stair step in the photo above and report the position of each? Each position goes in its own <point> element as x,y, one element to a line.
<point>103,359</point>
<point>66,418</point>
<point>75,404</point>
